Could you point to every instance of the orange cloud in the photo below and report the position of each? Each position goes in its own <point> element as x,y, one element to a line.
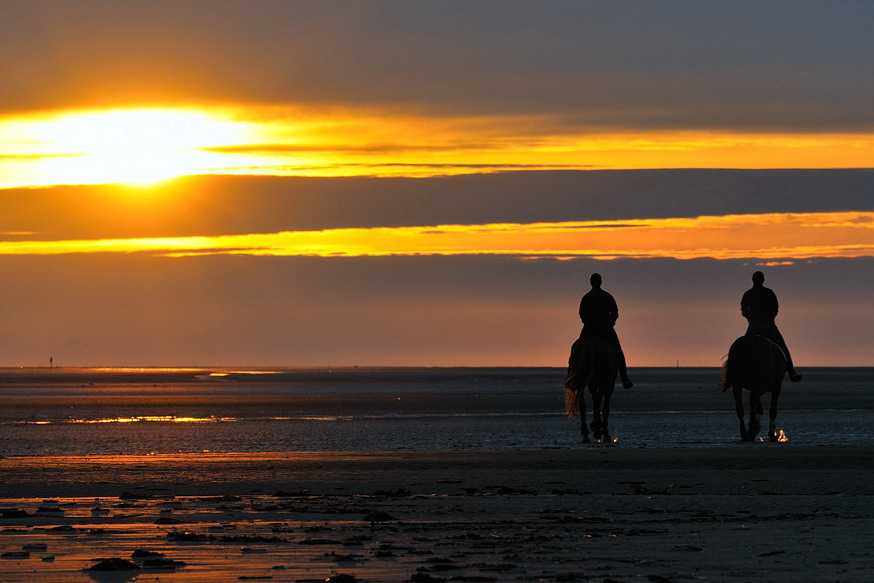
<point>766,237</point>
<point>142,145</point>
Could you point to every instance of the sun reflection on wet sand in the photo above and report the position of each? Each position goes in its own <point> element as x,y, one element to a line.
<point>781,437</point>
<point>304,516</point>
<point>156,419</point>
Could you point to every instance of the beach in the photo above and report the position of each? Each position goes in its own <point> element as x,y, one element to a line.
<point>426,475</point>
<point>740,512</point>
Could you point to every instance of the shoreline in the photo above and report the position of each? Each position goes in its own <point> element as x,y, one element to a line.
<point>764,512</point>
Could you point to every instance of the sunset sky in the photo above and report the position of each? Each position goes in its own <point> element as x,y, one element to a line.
<point>340,183</point>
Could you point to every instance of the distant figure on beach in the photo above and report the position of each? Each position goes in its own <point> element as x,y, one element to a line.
<point>759,306</point>
<point>599,313</point>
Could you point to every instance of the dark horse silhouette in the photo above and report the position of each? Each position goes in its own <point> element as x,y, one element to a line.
<point>593,363</point>
<point>758,365</point>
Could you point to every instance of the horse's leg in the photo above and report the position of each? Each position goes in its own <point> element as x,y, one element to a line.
<point>605,415</point>
<point>584,428</point>
<point>755,415</point>
<point>739,409</point>
<point>597,421</point>
<point>772,414</point>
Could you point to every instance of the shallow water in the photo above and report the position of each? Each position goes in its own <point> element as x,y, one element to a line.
<point>100,411</point>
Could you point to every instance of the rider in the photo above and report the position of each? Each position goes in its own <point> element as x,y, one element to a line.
<point>759,307</point>
<point>599,312</point>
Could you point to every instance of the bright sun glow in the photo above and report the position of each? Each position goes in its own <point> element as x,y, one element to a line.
<point>137,146</point>
<point>124,146</point>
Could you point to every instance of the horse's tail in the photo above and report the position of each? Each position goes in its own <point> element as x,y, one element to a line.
<point>569,383</point>
<point>572,402</point>
<point>731,362</point>
<point>573,384</point>
<point>724,383</point>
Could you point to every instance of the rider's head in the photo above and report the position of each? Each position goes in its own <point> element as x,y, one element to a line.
<point>758,278</point>
<point>595,280</point>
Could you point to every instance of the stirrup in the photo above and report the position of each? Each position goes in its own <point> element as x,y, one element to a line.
<point>627,384</point>
<point>794,376</point>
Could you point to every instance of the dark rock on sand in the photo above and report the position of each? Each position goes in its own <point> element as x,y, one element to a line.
<point>161,563</point>
<point>115,564</point>
<point>140,553</point>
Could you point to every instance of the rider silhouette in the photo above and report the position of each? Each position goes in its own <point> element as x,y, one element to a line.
<point>759,306</point>
<point>599,312</point>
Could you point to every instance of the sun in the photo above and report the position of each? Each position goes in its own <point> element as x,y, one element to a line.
<point>135,146</point>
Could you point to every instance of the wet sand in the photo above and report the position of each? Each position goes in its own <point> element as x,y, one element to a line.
<point>743,512</point>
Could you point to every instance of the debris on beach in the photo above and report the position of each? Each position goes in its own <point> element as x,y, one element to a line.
<point>187,536</point>
<point>114,564</point>
<point>425,578</point>
<point>134,496</point>
<point>142,554</point>
<point>344,557</point>
<point>379,517</point>
<point>319,541</point>
<point>571,576</point>
<point>167,520</point>
<point>162,563</point>
<point>251,539</point>
<point>398,493</point>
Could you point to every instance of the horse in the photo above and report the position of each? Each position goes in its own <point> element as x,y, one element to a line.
<point>593,363</point>
<point>758,365</point>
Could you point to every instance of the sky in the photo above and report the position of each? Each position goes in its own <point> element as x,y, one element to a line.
<point>340,183</point>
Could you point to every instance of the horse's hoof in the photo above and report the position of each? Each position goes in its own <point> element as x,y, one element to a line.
<point>586,439</point>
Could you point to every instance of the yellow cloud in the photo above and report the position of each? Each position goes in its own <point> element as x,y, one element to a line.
<point>766,237</point>
<point>144,145</point>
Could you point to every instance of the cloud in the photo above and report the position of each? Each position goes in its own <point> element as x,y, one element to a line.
<point>765,237</point>
<point>148,145</point>
<point>683,65</point>
<point>213,206</point>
